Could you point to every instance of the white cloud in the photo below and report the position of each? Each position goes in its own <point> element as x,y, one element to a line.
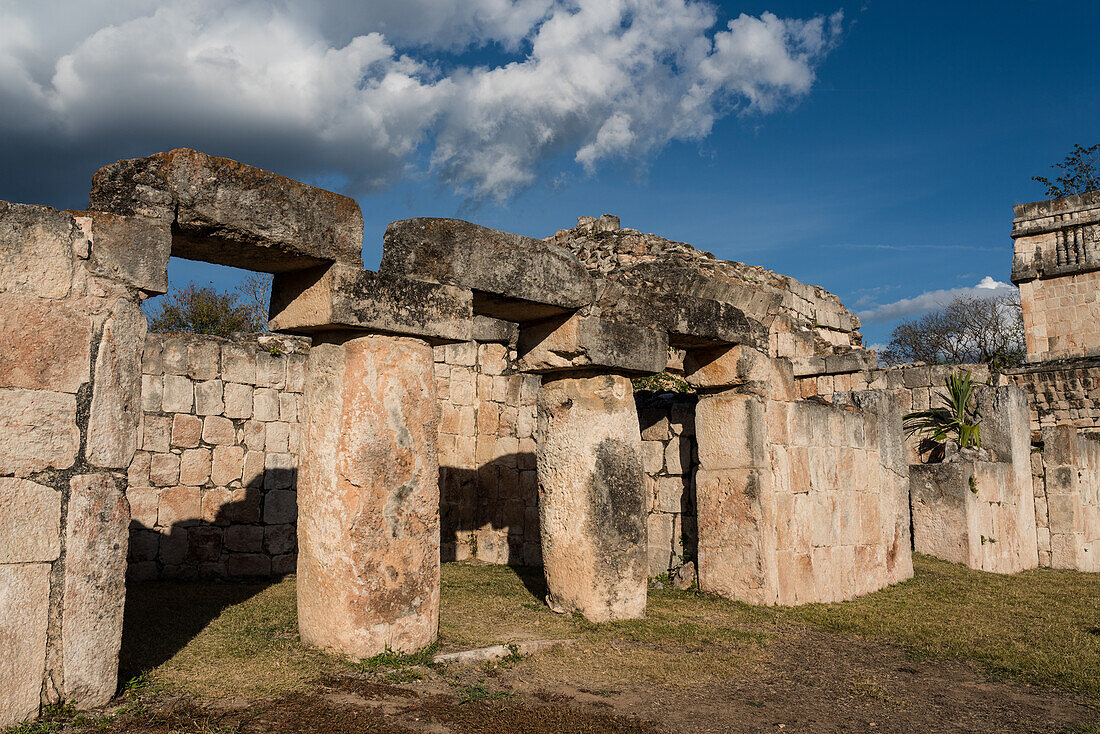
<point>988,287</point>
<point>368,90</point>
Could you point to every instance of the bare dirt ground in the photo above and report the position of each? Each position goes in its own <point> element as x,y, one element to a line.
<point>695,664</point>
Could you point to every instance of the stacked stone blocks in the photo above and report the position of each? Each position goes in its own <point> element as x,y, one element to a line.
<point>213,486</point>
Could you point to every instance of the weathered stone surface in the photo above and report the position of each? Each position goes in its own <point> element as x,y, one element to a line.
<point>589,339</point>
<point>690,321</point>
<point>43,343</point>
<point>226,212</point>
<point>592,499</point>
<point>740,366</point>
<point>36,250</point>
<point>37,431</point>
<point>368,525</point>
<point>345,297</point>
<point>24,607</point>
<point>487,329</point>
<point>30,524</point>
<point>116,390</point>
<point>517,278</point>
<point>187,430</point>
<point>132,250</point>
<point>96,536</point>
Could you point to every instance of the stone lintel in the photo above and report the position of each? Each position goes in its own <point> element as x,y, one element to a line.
<point>515,278</point>
<point>487,329</point>
<point>587,340</point>
<point>225,212</point>
<point>340,297</point>
<point>691,322</point>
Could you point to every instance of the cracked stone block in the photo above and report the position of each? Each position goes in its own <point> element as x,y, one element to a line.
<point>30,525</point>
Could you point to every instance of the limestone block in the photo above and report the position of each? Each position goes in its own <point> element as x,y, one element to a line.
<point>179,506</point>
<point>592,502</point>
<point>238,364</point>
<point>288,408</point>
<point>96,537</point>
<point>244,538</point>
<point>131,250</point>
<point>588,339</point>
<point>218,430</point>
<point>245,565</point>
<point>164,469</point>
<point>43,343</point>
<point>156,433</point>
<point>208,398</point>
<point>24,613</point>
<point>179,394</point>
<point>368,525</point>
<point>690,321</point>
<point>522,278</point>
<point>731,431</point>
<point>659,542</point>
<point>487,329</point>
<point>30,525</point>
<point>36,250</point>
<point>340,297</point>
<point>37,431</point>
<point>296,373</point>
<point>279,471</point>
<point>270,370</point>
<point>186,430</point>
<point>280,506</point>
<point>195,467</point>
<point>143,506</point>
<point>280,539</point>
<point>223,506</point>
<point>227,464</point>
<point>152,390</point>
<point>238,400</point>
<point>202,358</point>
<point>265,404</point>
<point>232,214</point>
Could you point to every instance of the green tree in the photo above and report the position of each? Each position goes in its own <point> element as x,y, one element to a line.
<point>204,310</point>
<point>1080,173</point>
<point>967,330</point>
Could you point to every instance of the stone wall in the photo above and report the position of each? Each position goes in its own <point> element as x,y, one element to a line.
<point>71,334</point>
<point>1066,477</point>
<point>670,457</point>
<point>212,488</point>
<point>488,483</point>
<point>1061,392</point>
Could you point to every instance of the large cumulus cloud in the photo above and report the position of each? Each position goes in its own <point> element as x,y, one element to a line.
<point>479,93</point>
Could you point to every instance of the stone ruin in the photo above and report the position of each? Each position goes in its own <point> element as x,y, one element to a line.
<point>471,399</point>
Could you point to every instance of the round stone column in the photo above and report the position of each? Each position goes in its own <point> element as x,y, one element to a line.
<point>368,496</point>
<point>592,497</point>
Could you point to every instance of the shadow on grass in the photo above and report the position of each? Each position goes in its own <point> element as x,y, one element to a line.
<point>533,580</point>
<point>162,617</point>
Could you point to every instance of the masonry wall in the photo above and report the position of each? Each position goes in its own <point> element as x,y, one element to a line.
<point>1066,480</point>
<point>488,484</point>
<point>71,333</point>
<point>212,488</point>
<point>1065,392</point>
<point>670,458</point>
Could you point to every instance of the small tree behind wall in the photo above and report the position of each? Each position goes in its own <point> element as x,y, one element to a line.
<point>1080,173</point>
<point>967,330</point>
<point>204,310</point>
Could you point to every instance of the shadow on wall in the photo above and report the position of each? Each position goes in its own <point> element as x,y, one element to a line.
<point>242,538</point>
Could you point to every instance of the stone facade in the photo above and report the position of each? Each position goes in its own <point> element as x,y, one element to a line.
<point>1066,477</point>
<point>71,336</point>
<point>1060,392</point>
<point>1056,264</point>
<point>213,486</point>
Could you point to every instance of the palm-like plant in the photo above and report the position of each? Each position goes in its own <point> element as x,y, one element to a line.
<point>956,419</point>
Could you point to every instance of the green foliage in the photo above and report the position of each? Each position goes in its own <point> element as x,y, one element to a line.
<point>956,419</point>
<point>1080,173</point>
<point>391,659</point>
<point>662,382</point>
<point>966,330</point>
<point>202,310</point>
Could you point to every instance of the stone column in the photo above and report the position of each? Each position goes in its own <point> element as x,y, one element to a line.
<point>592,498</point>
<point>368,496</point>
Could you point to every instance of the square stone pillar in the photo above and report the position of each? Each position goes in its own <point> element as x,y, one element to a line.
<point>592,497</point>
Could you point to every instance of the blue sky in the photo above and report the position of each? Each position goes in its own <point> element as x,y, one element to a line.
<point>885,175</point>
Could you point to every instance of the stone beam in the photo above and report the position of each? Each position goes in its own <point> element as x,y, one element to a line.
<point>741,367</point>
<point>340,297</point>
<point>589,340</point>
<point>592,497</point>
<point>225,212</point>
<point>691,322</point>
<point>514,278</point>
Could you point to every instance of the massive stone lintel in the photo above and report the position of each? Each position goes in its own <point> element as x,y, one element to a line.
<point>690,321</point>
<point>592,498</point>
<point>225,212</point>
<point>514,278</point>
<point>588,339</point>
<point>368,497</point>
<point>345,297</point>
<point>743,367</point>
